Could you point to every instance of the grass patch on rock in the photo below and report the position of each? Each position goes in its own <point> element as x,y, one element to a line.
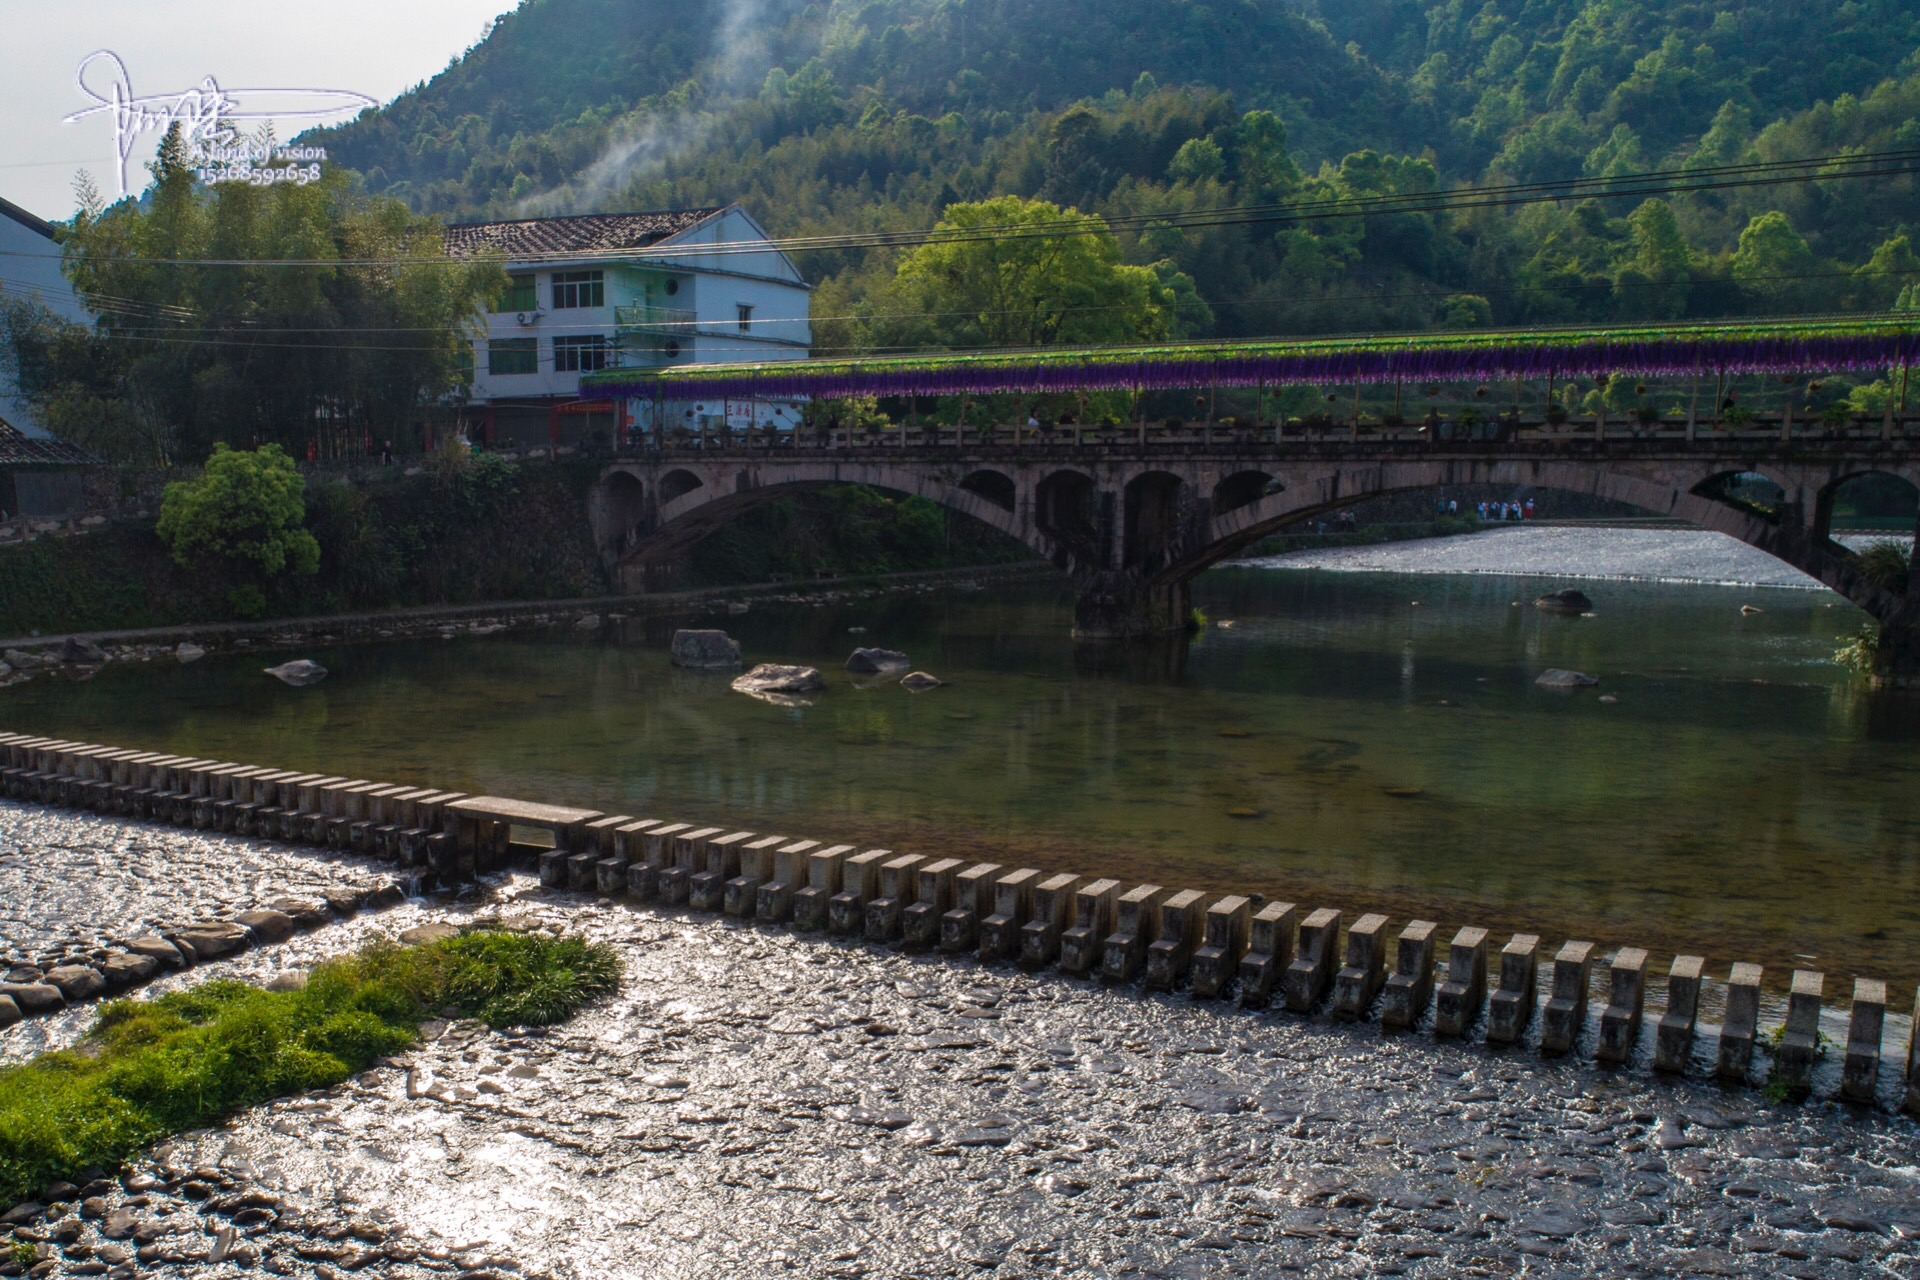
<point>149,1068</point>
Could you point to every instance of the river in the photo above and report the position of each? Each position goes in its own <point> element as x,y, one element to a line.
<point>1369,740</point>
<point>764,1103</point>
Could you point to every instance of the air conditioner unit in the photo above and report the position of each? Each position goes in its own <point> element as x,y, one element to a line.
<point>527,317</point>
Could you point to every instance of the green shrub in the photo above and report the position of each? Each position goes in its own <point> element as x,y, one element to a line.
<point>148,1068</point>
<point>1884,564</point>
<point>1857,651</point>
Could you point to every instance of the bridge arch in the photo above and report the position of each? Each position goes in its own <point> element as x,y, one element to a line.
<point>996,487</point>
<point>1238,489</point>
<point>678,483</point>
<point>1651,486</point>
<point>617,511</point>
<point>691,507</point>
<point>1065,510</point>
<point>1898,489</point>
<point>1744,489</point>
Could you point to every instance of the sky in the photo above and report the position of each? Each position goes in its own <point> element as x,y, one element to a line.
<point>378,48</point>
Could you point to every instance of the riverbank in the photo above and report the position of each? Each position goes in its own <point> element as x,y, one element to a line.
<point>185,1060</point>
<point>147,644</point>
<point>492,533</point>
<point>762,1103</point>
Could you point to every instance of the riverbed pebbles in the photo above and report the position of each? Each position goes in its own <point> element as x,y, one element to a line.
<point>770,1104</point>
<point>766,1103</point>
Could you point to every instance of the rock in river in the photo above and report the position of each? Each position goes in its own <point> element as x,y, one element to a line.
<point>34,997</point>
<point>124,969</point>
<point>874,662</point>
<point>298,673</point>
<point>772,682</point>
<point>1558,678</point>
<point>159,950</point>
<point>82,652</point>
<point>920,681</point>
<point>1565,601</point>
<point>77,981</point>
<point>704,649</point>
<point>266,926</point>
<point>215,938</point>
<point>187,651</point>
<point>424,935</point>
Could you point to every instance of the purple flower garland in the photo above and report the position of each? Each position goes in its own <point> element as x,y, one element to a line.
<point>1440,360</point>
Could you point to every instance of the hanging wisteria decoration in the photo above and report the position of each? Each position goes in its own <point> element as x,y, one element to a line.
<point>1782,347</point>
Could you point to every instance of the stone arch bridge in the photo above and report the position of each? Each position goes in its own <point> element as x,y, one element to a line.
<point>1132,524</point>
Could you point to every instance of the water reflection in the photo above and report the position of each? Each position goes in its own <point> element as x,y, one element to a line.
<point>1335,743</point>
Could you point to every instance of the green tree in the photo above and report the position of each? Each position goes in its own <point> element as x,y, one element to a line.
<point>1197,160</point>
<point>1028,273</point>
<point>1266,167</point>
<point>1773,259</point>
<point>1890,272</point>
<point>306,315</point>
<point>1464,311</point>
<point>1653,283</point>
<point>244,514</point>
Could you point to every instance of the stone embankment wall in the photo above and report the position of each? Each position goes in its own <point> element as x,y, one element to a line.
<point>1218,947</point>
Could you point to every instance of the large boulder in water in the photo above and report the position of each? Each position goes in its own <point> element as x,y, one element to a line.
<point>1559,678</point>
<point>210,939</point>
<point>704,649</point>
<point>298,673</point>
<point>124,968</point>
<point>780,685</point>
<point>878,662</point>
<point>1564,601</point>
<point>82,653</point>
<point>76,981</point>
<point>920,682</point>
<point>34,997</point>
<point>772,677</point>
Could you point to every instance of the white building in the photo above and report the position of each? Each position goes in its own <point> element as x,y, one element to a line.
<point>30,271</point>
<point>38,478</point>
<point>623,290</point>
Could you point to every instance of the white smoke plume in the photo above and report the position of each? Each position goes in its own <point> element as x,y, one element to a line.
<point>639,146</point>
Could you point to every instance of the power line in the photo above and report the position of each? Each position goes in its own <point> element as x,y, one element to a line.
<point>1880,164</point>
<point>239,333</point>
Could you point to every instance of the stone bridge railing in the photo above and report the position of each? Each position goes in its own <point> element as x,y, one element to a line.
<point>1232,948</point>
<point>1494,431</point>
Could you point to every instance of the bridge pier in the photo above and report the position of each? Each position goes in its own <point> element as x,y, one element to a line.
<point>1116,605</point>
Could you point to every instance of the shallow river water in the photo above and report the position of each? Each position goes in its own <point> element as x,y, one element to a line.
<point>763,1104</point>
<point>1367,740</point>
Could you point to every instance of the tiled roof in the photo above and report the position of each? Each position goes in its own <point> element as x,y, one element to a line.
<point>583,233</point>
<point>17,447</point>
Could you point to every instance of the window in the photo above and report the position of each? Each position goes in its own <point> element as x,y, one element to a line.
<point>520,295</point>
<point>513,355</point>
<point>746,316</point>
<point>580,354</point>
<point>578,289</point>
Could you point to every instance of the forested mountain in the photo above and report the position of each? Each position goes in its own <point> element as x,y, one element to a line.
<point>854,115</point>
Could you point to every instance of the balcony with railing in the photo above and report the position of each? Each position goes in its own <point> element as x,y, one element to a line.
<point>670,322</point>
